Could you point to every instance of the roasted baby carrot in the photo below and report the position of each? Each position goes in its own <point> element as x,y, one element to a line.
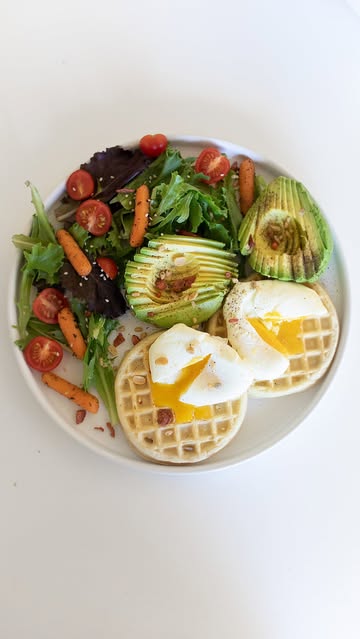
<point>71,332</point>
<point>246,184</point>
<point>73,252</point>
<point>141,215</point>
<point>82,398</point>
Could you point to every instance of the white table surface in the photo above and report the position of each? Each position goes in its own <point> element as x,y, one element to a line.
<point>271,547</point>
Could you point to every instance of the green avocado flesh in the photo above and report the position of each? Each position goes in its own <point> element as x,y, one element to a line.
<point>284,233</point>
<point>179,279</point>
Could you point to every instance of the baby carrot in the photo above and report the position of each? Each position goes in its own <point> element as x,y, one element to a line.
<point>73,252</point>
<point>246,184</point>
<point>82,398</point>
<point>71,332</point>
<point>141,215</point>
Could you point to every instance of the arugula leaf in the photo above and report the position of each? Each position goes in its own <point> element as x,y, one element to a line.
<point>36,327</point>
<point>179,204</point>
<point>43,258</point>
<point>230,197</point>
<point>98,368</point>
<point>41,230</point>
<point>158,171</point>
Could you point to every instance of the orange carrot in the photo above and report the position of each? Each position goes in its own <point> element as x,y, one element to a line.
<point>141,215</point>
<point>246,184</point>
<point>71,332</point>
<point>82,398</point>
<point>73,252</point>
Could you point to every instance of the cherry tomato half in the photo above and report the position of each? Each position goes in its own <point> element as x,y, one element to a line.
<point>43,354</point>
<point>94,216</point>
<point>153,145</point>
<point>80,185</point>
<point>211,162</point>
<point>109,266</point>
<point>47,305</point>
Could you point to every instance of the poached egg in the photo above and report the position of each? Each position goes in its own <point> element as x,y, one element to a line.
<point>191,370</point>
<point>263,320</point>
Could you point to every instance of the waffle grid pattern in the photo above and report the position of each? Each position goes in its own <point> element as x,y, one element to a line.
<point>319,336</point>
<point>173,442</point>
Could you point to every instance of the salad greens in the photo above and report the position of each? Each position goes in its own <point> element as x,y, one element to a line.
<point>211,211</point>
<point>181,200</point>
<point>98,369</point>
<point>43,258</point>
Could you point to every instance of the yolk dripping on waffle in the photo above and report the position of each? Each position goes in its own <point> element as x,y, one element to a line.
<point>284,336</point>
<point>168,395</point>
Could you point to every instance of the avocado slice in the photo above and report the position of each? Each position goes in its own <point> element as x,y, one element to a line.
<point>284,233</point>
<point>179,279</point>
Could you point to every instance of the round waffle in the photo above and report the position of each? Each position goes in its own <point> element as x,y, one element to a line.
<point>171,443</point>
<point>319,336</point>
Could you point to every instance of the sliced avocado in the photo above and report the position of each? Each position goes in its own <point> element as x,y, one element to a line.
<point>179,279</point>
<point>284,233</point>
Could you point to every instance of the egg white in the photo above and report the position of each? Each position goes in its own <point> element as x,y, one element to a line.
<point>223,378</point>
<point>268,300</point>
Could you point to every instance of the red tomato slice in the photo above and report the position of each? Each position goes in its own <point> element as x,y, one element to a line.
<point>109,266</point>
<point>211,162</point>
<point>80,185</point>
<point>43,354</point>
<point>47,305</point>
<point>94,216</point>
<point>153,145</point>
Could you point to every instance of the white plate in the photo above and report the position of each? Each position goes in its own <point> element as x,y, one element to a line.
<point>259,431</point>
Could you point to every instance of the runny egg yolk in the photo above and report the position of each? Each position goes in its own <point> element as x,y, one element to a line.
<point>283,335</point>
<point>168,395</point>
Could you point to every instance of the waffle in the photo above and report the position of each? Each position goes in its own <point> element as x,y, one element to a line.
<point>319,336</point>
<point>173,443</point>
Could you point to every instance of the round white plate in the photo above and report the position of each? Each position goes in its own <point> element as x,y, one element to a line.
<point>267,421</point>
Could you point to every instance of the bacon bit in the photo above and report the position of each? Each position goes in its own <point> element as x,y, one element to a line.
<point>233,320</point>
<point>182,284</point>
<point>274,245</point>
<point>80,415</point>
<point>160,284</point>
<point>228,275</point>
<point>251,242</point>
<point>99,428</point>
<point>119,339</point>
<point>111,429</point>
<point>165,416</point>
<point>151,314</point>
<point>135,339</point>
